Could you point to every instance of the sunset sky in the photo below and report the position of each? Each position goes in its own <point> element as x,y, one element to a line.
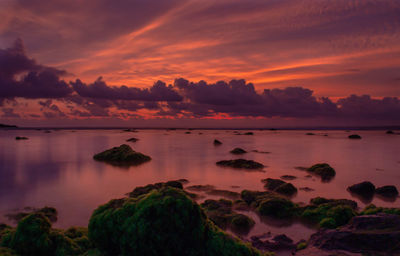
<point>223,63</point>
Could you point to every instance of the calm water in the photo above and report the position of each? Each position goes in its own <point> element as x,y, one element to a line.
<point>57,169</point>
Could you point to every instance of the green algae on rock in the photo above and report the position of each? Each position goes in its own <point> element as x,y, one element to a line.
<point>162,222</point>
<point>280,186</point>
<point>324,170</point>
<point>122,155</point>
<point>241,164</point>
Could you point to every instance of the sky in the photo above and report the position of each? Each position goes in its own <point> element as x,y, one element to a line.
<point>201,63</point>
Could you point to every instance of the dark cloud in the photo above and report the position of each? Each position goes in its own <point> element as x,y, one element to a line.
<point>9,113</point>
<point>99,89</point>
<point>21,76</point>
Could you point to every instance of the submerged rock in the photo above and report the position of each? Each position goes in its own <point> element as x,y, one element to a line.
<point>324,170</point>
<point>200,187</point>
<point>354,136</point>
<point>132,140</point>
<point>365,189</point>
<point>248,133</point>
<point>238,151</point>
<point>387,191</point>
<point>223,193</point>
<point>288,177</point>
<point>280,186</point>
<point>241,164</point>
<point>21,138</point>
<point>310,133</point>
<point>50,212</point>
<point>221,213</point>
<point>122,155</point>
<point>162,222</point>
<point>370,235</point>
<point>389,132</point>
<point>217,142</point>
<point>306,189</point>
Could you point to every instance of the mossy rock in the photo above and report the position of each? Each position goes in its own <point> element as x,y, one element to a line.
<point>333,202</point>
<point>372,209</point>
<point>324,170</point>
<point>162,222</point>
<point>122,155</point>
<point>241,164</point>
<point>387,191</point>
<point>238,151</point>
<point>280,186</point>
<point>329,214</point>
<point>277,207</point>
<point>241,223</point>
<point>149,187</point>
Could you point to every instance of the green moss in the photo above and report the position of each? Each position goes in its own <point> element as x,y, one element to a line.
<point>372,209</point>
<point>122,155</point>
<point>324,170</point>
<point>329,213</point>
<point>301,246</point>
<point>162,222</point>
<point>328,223</point>
<point>277,207</point>
<point>241,223</point>
<point>7,252</point>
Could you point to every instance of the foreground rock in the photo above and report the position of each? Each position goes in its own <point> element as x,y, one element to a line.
<point>238,151</point>
<point>276,243</point>
<point>162,222</point>
<point>370,235</point>
<point>122,155</point>
<point>241,164</point>
<point>324,170</point>
<point>280,186</point>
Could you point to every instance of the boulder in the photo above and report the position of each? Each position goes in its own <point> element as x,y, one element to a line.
<point>280,186</point>
<point>217,142</point>
<point>241,164</point>
<point>364,189</point>
<point>370,235</point>
<point>238,151</point>
<point>132,140</point>
<point>21,138</point>
<point>122,155</point>
<point>387,191</point>
<point>354,136</point>
<point>324,170</point>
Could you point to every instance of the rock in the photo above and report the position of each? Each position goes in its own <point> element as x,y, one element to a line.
<point>130,130</point>
<point>164,222</point>
<point>50,212</point>
<point>261,152</point>
<point>324,170</point>
<point>389,132</point>
<point>306,189</point>
<point>280,186</point>
<point>276,207</point>
<point>370,235</point>
<point>21,138</point>
<point>277,243</point>
<point>238,151</point>
<point>387,191</point>
<point>200,187</point>
<point>188,133</point>
<point>364,189</point>
<point>248,133</point>
<point>310,133</point>
<point>8,126</point>
<point>288,177</point>
<point>241,223</point>
<point>329,213</point>
<point>217,142</point>
<point>223,193</point>
<point>138,191</point>
<point>241,164</point>
<point>372,209</point>
<point>122,155</point>
<point>354,136</point>
<point>132,140</point>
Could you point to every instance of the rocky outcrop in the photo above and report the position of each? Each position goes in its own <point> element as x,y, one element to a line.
<point>122,155</point>
<point>241,164</point>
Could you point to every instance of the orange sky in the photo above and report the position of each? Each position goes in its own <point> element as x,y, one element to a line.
<point>334,48</point>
